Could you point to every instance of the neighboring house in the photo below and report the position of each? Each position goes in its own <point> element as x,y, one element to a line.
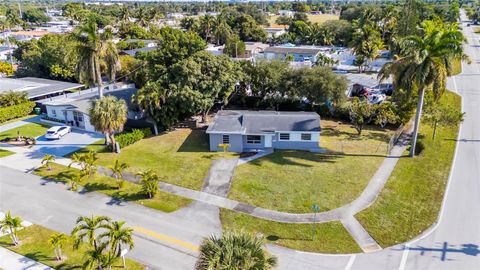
<point>215,50</point>
<point>5,53</point>
<point>148,43</point>
<point>37,88</point>
<point>288,13</point>
<point>176,16</point>
<point>256,130</point>
<point>28,35</point>
<point>357,82</point>
<point>274,32</point>
<point>74,109</point>
<point>134,51</point>
<point>299,53</point>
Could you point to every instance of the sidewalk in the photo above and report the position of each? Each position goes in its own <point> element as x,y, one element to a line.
<point>10,260</point>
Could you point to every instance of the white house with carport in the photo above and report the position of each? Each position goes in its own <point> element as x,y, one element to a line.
<point>246,131</point>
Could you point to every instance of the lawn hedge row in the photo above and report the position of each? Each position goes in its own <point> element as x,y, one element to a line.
<point>15,111</point>
<point>127,138</point>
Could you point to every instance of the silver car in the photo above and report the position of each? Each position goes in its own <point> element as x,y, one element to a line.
<point>56,132</point>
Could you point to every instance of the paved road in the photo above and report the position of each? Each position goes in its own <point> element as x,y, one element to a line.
<point>163,241</point>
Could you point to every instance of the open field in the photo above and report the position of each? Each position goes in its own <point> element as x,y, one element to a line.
<point>320,18</point>
<point>28,130</point>
<point>291,181</point>
<point>330,237</point>
<point>34,245</point>
<point>411,199</point>
<point>180,157</point>
<point>129,192</point>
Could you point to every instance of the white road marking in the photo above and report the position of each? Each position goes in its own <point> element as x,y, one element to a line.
<point>403,262</point>
<point>350,262</point>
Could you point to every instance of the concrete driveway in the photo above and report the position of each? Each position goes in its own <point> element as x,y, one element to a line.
<point>67,144</point>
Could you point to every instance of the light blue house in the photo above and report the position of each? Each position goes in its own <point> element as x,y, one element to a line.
<point>258,130</point>
<point>298,53</point>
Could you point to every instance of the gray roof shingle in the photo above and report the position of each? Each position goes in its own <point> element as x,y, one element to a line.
<point>262,122</point>
<point>36,87</point>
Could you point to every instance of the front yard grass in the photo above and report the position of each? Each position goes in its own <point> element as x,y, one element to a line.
<point>130,192</point>
<point>180,157</point>
<point>292,181</point>
<point>411,199</point>
<point>330,237</point>
<point>456,67</point>
<point>5,153</point>
<point>28,130</point>
<point>34,245</point>
<point>18,119</point>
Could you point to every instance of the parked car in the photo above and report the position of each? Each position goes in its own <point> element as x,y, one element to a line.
<point>56,132</point>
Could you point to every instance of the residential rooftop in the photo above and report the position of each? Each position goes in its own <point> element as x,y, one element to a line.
<point>36,87</point>
<point>263,122</point>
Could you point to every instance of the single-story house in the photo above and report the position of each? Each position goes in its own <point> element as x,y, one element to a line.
<point>256,130</point>
<point>133,52</point>
<point>288,13</point>
<point>299,53</point>
<point>274,32</point>
<point>5,53</point>
<point>73,110</point>
<point>37,88</point>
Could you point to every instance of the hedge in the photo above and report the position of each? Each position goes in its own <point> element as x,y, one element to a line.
<point>127,138</point>
<point>15,111</point>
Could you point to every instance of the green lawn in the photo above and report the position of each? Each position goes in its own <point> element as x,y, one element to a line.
<point>411,199</point>
<point>291,181</point>
<point>130,192</point>
<point>318,18</point>
<point>34,245</point>
<point>180,157</point>
<point>5,153</point>
<point>18,119</point>
<point>98,147</point>
<point>329,237</point>
<point>28,130</point>
<point>457,67</point>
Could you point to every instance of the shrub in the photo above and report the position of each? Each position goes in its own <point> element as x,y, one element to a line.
<point>419,147</point>
<point>127,138</point>
<point>15,111</point>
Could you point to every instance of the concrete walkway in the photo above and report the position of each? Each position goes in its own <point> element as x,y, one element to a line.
<point>10,260</point>
<point>259,154</point>
<point>220,176</point>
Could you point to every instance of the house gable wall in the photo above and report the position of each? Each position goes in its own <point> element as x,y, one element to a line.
<point>236,142</point>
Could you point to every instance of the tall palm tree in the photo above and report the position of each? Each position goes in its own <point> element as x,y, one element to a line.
<point>117,236</point>
<point>366,42</point>
<point>234,250</point>
<point>151,98</point>
<point>108,115</point>
<point>425,64</point>
<point>10,225</point>
<point>124,15</point>
<point>47,159</point>
<point>57,241</point>
<point>149,182</point>
<point>86,228</point>
<point>94,49</point>
<point>117,171</point>
<point>207,23</point>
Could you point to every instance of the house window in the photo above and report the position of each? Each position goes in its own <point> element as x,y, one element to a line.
<point>306,137</point>
<point>285,136</point>
<point>77,116</point>
<point>54,112</point>
<point>254,139</point>
<point>226,139</point>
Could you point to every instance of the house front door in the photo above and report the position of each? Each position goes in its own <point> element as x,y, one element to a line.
<point>268,141</point>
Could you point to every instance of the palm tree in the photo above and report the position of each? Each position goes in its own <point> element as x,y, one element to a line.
<point>117,235</point>
<point>117,171</point>
<point>108,115</point>
<point>86,161</point>
<point>207,23</point>
<point>149,182</point>
<point>234,251</point>
<point>77,178</point>
<point>57,241</point>
<point>366,43</point>
<point>150,98</point>
<point>124,14</point>
<point>425,64</point>
<point>95,257</point>
<point>86,227</point>
<point>94,49</point>
<point>10,225</point>
<point>47,159</point>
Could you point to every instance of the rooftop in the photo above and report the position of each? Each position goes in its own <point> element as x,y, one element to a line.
<point>36,87</point>
<point>263,122</point>
<point>82,103</point>
<point>287,50</point>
